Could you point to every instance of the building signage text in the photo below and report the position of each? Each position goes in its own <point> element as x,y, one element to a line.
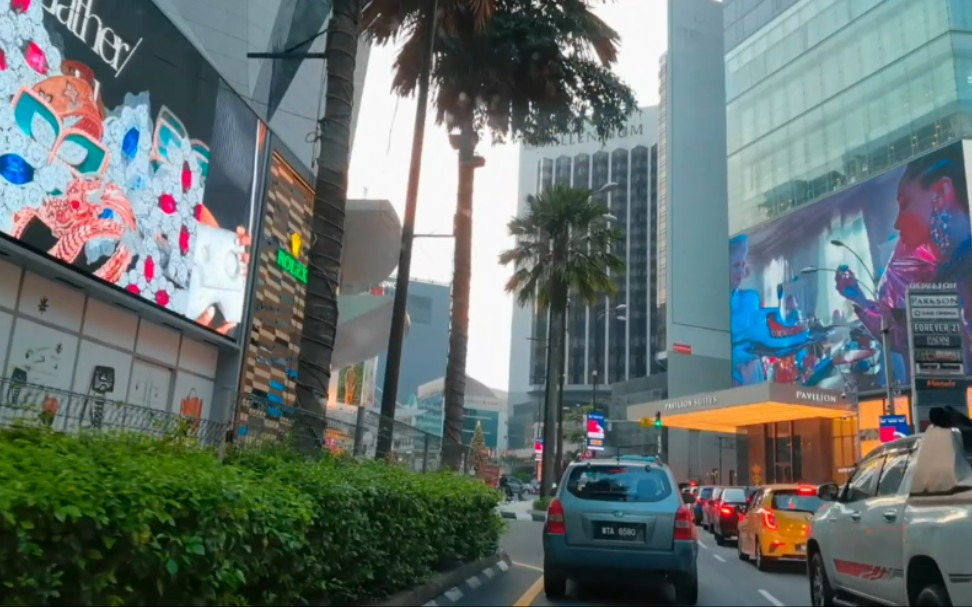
<point>691,403</point>
<point>80,18</point>
<point>291,266</point>
<point>816,397</point>
<point>936,346</point>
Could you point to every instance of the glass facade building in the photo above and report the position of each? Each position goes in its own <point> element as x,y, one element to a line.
<point>822,94</point>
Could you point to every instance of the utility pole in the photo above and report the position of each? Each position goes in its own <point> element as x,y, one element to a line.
<point>386,424</point>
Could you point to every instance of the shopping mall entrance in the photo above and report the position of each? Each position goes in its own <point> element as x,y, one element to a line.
<point>784,433</point>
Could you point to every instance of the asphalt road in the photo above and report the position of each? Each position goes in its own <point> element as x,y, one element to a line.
<point>723,580</point>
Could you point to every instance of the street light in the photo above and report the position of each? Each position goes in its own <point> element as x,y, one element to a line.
<point>885,329</point>
<point>597,346</point>
<point>814,270</point>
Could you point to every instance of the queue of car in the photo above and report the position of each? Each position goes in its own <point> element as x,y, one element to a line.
<point>896,533</point>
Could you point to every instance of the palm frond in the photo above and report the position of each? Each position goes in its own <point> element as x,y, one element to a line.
<point>563,243</point>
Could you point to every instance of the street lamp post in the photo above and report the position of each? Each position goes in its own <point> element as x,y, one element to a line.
<point>884,329</point>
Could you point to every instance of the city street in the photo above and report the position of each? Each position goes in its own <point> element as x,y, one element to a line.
<point>723,579</point>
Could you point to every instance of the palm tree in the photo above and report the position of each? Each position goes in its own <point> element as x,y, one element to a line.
<point>531,70</point>
<point>563,247</point>
<point>327,226</point>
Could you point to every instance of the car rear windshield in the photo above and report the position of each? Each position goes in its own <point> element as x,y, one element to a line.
<point>734,496</point>
<point>619,483</point>
<point>791,500</point>
<point>706,493</point>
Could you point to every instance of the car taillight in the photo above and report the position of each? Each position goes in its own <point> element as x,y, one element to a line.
<point>806,491</point>
<point>684,528</point>
<point>726,510</point>
<point>769,520</point>
<point>555,519</point>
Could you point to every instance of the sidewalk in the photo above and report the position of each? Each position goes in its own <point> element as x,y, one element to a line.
<point>518,510</point>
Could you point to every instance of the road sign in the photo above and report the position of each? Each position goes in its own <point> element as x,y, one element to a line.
<point>646,422</point>
<point>937,353</point>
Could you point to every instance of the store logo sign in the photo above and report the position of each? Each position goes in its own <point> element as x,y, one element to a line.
<point>291,266</point>
<point>816,397</point>
<point>691,403</point>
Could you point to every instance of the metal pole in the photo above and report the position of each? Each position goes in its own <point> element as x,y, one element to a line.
<point>425,454</point>
<point>886,354</point>
<point>396,335</point>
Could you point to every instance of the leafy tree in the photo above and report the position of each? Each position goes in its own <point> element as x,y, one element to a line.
<point>478,452</point>
<point>563,246</point>
<point>529,70</point>
<point>327,225</point>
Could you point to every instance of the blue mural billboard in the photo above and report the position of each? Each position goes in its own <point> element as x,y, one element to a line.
<point>812,291</point>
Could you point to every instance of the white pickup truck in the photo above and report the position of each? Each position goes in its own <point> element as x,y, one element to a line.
<point>900,531</point>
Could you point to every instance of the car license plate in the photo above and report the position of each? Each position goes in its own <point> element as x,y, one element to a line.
<point>618,531</point>
<point>801,547</point>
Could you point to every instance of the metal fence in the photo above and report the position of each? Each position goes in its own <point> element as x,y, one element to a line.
<point>351,430</point>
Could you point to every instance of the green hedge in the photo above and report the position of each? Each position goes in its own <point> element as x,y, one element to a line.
<point>123,520</point>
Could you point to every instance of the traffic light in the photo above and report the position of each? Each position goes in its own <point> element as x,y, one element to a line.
<point>658,422</point>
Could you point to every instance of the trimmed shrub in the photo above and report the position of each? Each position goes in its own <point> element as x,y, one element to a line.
<point>541,504</point>
<point>128,520</point>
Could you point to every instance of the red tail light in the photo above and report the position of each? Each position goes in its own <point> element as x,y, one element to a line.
<point>684,529</point>
<point>806,491</point>
<point>726,510</point>
<point>555,519</point>
<point>769,521</point>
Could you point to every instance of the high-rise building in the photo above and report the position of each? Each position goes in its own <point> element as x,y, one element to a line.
<point>612,338</point>
<point>823,94</point>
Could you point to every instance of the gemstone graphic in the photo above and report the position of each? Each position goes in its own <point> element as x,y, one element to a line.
<point>75,204</point>
<point>197,212</point>
<point>15,169</point>
<point>3,60</point>
<point>36,58</point>
<point>130,143</point>
<point>20,6</point>
<point>184,240</point>
<point>162,298</point>
<point>167,203</point>
<point>133,289</point>
<point>149,270</point>
<point>186,177</point>
<point>106,214</point>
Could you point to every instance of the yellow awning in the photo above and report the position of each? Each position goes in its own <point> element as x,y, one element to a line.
<point>732,419</point>
<point>728,411</point>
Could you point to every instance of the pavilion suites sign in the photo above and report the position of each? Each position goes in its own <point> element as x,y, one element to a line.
<point>816,397</point>
<point>691,403</point>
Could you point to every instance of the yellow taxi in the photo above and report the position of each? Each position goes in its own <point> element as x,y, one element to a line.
<point>773,526</point>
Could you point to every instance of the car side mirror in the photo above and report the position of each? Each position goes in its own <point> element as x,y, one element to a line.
<point>828,492</point>
<point>743,508</point>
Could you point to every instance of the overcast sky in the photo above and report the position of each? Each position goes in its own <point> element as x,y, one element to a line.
<point>379,169</point>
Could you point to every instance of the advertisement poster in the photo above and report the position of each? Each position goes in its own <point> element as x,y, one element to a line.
<point>812,291</point>
<point>351,384</point>
<point>595,431</point>
<point>122,155</point>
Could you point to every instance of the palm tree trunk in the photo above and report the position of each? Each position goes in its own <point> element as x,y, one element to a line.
<point>327,226</point>
<point>455,379</point>
<point>551,427</point>
<point>560,398</point>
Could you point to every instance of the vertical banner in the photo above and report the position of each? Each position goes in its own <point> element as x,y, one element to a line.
<point>595,431</point>
<point>937,352</point>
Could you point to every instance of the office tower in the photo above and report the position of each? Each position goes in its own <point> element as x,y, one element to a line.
<point>612,337</point>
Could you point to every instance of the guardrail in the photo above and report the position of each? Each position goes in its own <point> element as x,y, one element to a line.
<point>351,430</point>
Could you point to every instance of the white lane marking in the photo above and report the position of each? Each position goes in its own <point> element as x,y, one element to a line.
<point>474,582</point>
<point>719,558</point>
<point>702,545</point>
<point>431,604</point>
<point>503,566</point>
<point>528,566</point>
<point>455,595</point>
<point>772,599</point>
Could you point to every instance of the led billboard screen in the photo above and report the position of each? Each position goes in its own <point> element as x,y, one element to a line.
<point>112,129</point>
<point>811,291</point>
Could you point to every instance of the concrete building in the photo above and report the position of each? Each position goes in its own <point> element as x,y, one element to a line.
<point>609,342</point>
<point>426,344</point>
<point>483,405</point>
<point>835,111</point>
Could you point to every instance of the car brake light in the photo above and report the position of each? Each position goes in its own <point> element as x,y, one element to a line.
<point>555,519</point>
<point>806,491</point>
<point>726,510</point>
<point>683,524</point>
<point>769,521</point>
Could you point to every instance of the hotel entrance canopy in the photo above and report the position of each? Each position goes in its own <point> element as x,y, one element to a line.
<point>728,411</point>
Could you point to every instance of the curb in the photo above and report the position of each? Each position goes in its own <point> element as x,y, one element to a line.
<point>539,517</point>
<point>451,586</point>
<point>516,516</point>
